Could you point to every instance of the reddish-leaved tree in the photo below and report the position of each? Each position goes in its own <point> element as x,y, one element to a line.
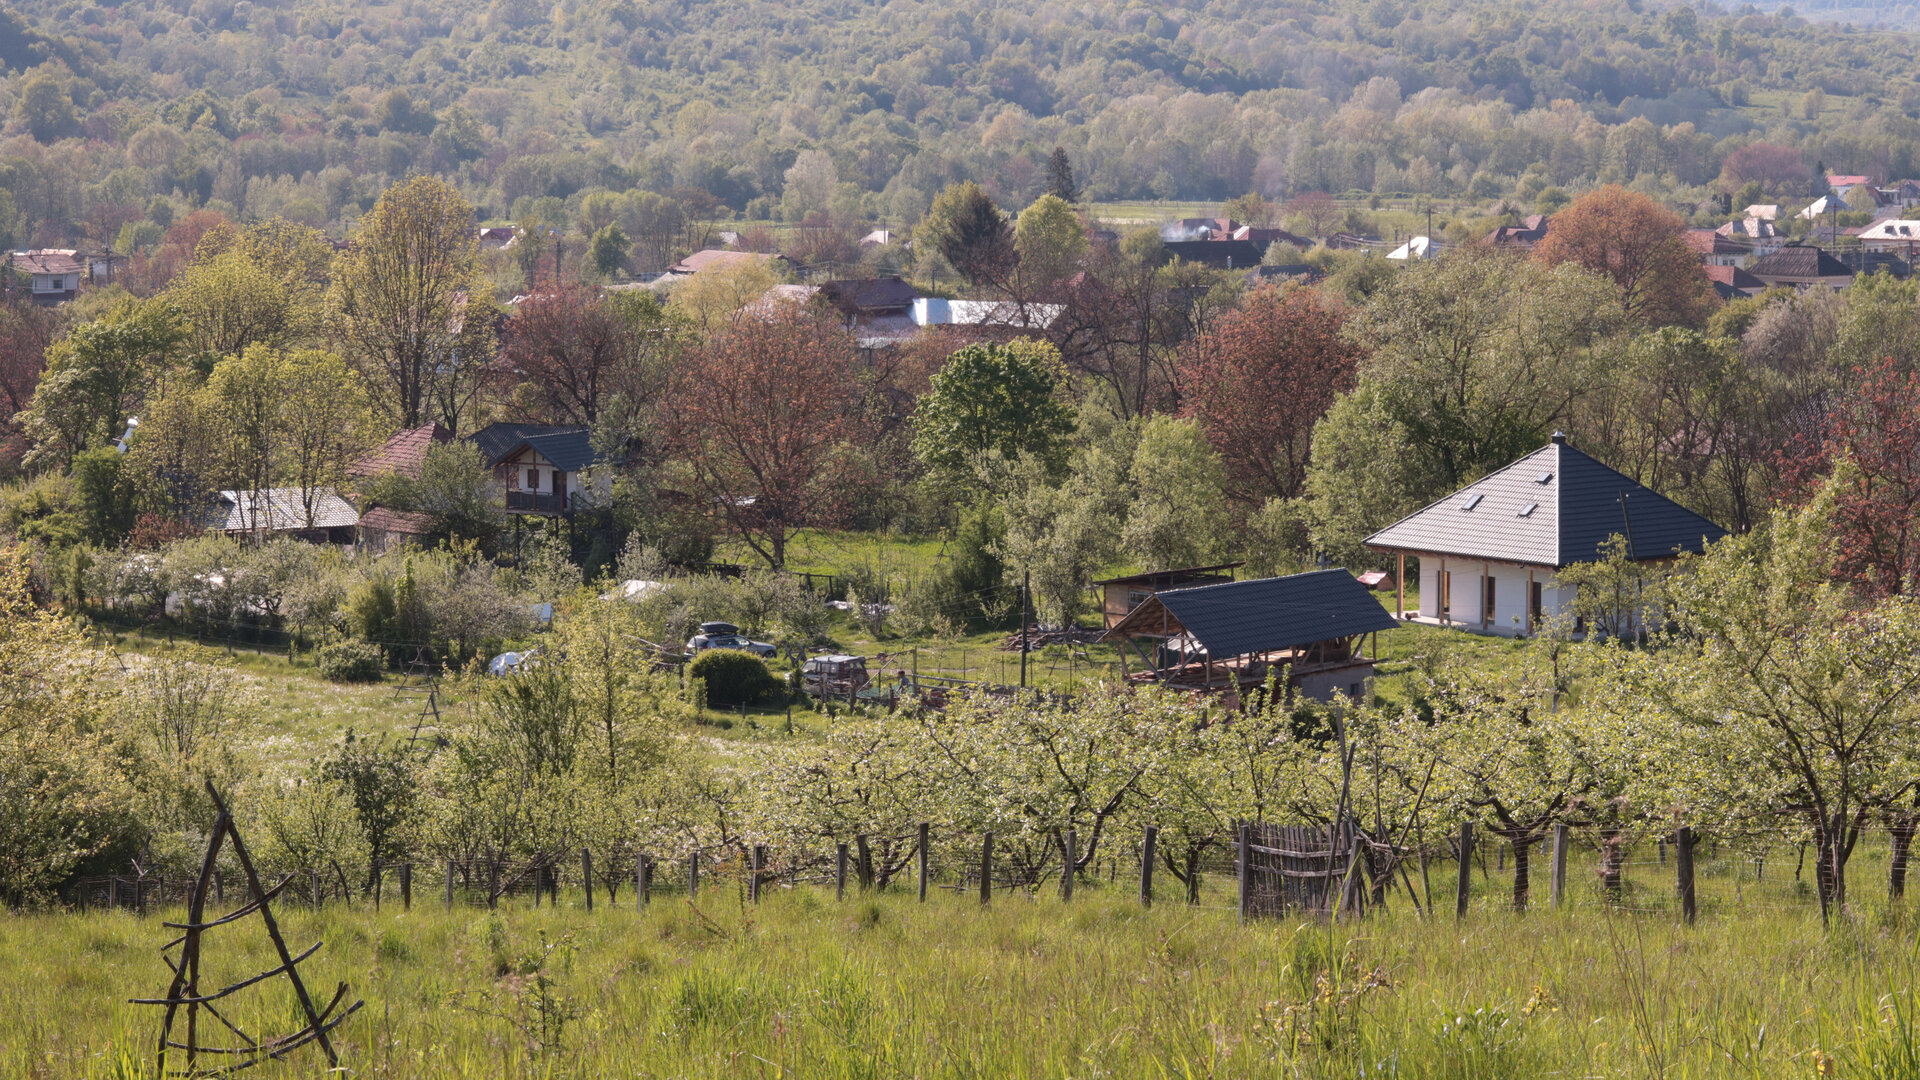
<point>1639,244</point>
<point>1872,450</point>
<point>570,348</point>
<point>26,329</point>
<point>1259,380</point>
<point>764,417</point>
<point>1774,167</point>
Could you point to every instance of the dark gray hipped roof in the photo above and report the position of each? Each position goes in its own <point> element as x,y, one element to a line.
<point>1576,506</point>
<point>1265,614</point>
<point>569,447</point>
<point>1224,254</point>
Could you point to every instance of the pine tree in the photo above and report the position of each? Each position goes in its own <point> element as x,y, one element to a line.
<point>1060,176</point>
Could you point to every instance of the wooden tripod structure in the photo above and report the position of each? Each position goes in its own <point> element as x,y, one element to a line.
<point>184,991</point>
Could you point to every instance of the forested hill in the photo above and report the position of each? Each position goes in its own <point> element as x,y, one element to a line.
<point>308,109</point>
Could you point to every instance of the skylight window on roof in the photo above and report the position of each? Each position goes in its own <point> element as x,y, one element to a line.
<point>1473,501</point>
<point>1545,477</point>
<point>1527,510</point>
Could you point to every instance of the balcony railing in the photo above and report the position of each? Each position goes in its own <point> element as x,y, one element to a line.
<point>530,502</point>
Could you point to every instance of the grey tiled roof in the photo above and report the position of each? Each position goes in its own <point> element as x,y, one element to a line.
<point>1243,617</point>
<point>496,441</point>
<point>279,510</point>
<point>1576,506</point>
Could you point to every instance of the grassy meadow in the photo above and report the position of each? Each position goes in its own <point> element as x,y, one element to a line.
<point>883,986</point>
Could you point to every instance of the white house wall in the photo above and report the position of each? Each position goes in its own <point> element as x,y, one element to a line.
<point>1509,593</point>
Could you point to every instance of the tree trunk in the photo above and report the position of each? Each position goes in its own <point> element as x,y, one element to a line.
<point>1902,828</point>
<point>1610,857</point>
<point>1522,845</point>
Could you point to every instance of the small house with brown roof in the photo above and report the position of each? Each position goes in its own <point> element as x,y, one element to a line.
<point>404,453</point>
<point>1716,249</point>
<point>1531,230</point>
<point>716,259</point>
<point>1732,283</point>
<point>54,273</point>
<point>383,530</point>
<point>1120,595</point>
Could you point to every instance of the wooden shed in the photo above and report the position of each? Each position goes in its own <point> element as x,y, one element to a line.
<point>1120,595</point>
<point>1226,638</point>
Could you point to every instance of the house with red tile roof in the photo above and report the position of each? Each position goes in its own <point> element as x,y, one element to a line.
<point>404,453</point>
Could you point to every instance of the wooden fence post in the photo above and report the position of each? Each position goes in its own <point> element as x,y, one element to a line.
<point>759,864</point>
<point>1559,865</point>
<point>642,877</point>
<point>839,871</point>
<point>986,868</point>
<point>923,862</point>
<point>1466,870</point>
<point>1066,872</point>
<point>379,879</point>
<point>1146,865</point>
<point>406,886</point>
<point>1245,869</point>
<point>1350,895</point>
<point>693,875</point>
<point>864,865</point>
<point>313,876</point>
<point>1683,859</point>
<point>449,884</point>
<point>586,874</point>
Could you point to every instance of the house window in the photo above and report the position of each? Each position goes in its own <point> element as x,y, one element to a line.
<point>1486,599</point>
<point>1533,604</point>
<point>533,480</point>
<point>1446,593</point>
<point>43,284</point>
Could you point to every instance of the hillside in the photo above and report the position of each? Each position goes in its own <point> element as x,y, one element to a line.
<point>309,111</point>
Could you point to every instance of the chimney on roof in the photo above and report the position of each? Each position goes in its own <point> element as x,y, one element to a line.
<point>1559,438</point>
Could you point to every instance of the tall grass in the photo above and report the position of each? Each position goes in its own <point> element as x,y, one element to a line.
<point>1028,987</point>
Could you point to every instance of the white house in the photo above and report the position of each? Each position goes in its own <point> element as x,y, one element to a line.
<point>1490,551</point>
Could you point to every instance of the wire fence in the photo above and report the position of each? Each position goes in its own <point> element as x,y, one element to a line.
<point>1263,871</point>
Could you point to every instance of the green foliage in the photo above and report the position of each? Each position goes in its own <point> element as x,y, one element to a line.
<point>969,232</point>
<point>991,399</point>
<point>1178,514</point>
<point>350,661</point>
<point>104,495</point>
<point>733,677</point>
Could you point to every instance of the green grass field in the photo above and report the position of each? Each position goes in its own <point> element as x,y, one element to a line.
<point>804,986</point>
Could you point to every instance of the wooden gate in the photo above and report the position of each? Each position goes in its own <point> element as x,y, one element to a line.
<point>1293,868</point>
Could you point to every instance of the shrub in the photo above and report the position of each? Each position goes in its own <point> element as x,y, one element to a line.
<point>351,661</point>
<point>733,677</point>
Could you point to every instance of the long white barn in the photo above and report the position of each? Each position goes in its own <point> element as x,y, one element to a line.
<point>1490,552</point>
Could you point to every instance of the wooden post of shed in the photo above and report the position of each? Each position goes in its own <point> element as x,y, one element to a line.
<point>1066,871</point>
<point>1683,859</point>
<point>1146,865</point>
<point>1466,870</point>
<point>586,874</point>
<point>986,868</point>
<point>923,862</point>
<point>1559,865</point>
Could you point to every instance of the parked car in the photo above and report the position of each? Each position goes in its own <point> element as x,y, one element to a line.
<point>834,676</point>
<point>720,635</point>
<point>508,663</point>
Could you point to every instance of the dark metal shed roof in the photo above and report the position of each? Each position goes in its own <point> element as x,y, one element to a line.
<point>1552,508</point>
<point>1264,614</point>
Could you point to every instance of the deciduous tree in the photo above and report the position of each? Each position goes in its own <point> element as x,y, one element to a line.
<point>760,416</point>
<point>1260,379</point>
<point>1635,241</point>
<point>985,398</point>
<point>970,232</point>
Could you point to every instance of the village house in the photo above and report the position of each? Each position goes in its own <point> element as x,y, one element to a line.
<point>318,515</point>
<point>715,259</point>
<point>1531,230</point>
<point>1801,267</point>
<point>404,453</point>
<point>54,274</point>
<point>1715,249</point>
<point>1896,235</point>
<point>1503,539</point>
<point>1228,638</point>
<point>1219,254</point>
<point>543,469</point>
<point>1732,283</point>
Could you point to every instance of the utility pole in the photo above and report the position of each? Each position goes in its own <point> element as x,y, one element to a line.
<point>1428,254</point>
<point>1026,616</point>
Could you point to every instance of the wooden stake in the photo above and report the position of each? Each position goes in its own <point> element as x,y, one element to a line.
<point>406,886</point>
<point>449,884</point>
<point>1559,865</point>
<point>1066,872</point>
<point>693,875</point>
<point>1146,865</point>
<point>840,871</point>
<point>586,874</point>
<point>986,868</point>
<point>1245,870</point>
<point>759,864</point>
<point>923,862</point>
<point>1683,859</point>
<point>642,877</point>
<point>1466,870</point>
